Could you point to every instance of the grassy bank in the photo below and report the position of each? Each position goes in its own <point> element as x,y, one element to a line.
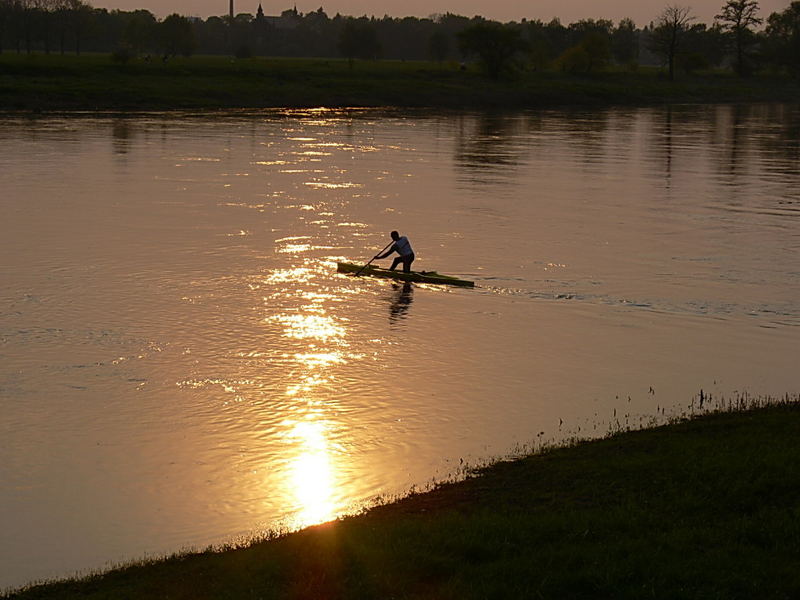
<point>708,508</point>
<point>94,82</point>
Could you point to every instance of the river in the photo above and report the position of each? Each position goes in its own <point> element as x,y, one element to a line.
<point>182,366</point>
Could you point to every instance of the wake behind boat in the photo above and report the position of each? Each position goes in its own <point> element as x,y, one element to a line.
<point>416,276</point>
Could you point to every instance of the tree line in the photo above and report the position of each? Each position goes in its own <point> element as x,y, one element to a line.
<point>735,39</point>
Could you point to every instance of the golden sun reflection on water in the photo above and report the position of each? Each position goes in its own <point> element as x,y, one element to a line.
<point>312,474</point>
<point>293,275</point>
<point>315,343</point>
<point>332,186</point>
<point>320,359</point>
<point>305,385</point>
<point>311,325</point>
<point>295,248</point>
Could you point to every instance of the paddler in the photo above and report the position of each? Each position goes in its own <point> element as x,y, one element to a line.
<point>403,247</point>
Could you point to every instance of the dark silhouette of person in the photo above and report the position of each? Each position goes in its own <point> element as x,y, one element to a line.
<point>403,248</point>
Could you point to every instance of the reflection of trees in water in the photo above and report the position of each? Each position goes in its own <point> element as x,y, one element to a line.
<point>587,129</point>
<point>745,133</point>
<point>491,146</point>
<point>728,144</point>
<point>596,137</point>
<point>122,133</point>
<point>738,142</point>
<point>668,145</point>
<point>767,135</point>
<point>34,127</point>
<point>671,134</point>
<point>400,301</point>
<point>674,131</point>
<point>740,145</point>
<point>781,137</point>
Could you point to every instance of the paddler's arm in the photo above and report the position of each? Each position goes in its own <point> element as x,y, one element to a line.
<point>388,252</point>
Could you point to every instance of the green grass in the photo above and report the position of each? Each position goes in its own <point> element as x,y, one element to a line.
<point>94,82</point>
<point>705,508</point>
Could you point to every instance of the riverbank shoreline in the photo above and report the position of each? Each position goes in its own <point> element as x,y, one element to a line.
<point>702,507</point>
<point>49,83</point>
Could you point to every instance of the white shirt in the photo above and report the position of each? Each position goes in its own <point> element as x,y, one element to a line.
<point>403,246</point>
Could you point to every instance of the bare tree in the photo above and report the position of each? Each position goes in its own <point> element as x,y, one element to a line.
<point>668,33</point>
<point>738,17</point>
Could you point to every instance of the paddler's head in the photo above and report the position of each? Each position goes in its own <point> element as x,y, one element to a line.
<point>395,236</point>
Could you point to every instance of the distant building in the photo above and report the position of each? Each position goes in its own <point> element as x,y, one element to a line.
<point>232,14</point>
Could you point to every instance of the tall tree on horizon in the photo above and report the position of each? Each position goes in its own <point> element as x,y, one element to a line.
<point>177,36</point>
<point>140,31</point>
<point>493,43</point>
<point>667,35</point>
<point>737,19</point>
<point>625,42</point>
<point>783,38</point>
<point>358,39</point>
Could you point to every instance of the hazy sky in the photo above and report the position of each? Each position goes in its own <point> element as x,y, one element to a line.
<point>641,11</point>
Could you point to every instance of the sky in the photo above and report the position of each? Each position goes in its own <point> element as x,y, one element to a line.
<point>641,11</point>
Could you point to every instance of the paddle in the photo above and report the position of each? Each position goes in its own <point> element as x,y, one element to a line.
<point>371,259</point>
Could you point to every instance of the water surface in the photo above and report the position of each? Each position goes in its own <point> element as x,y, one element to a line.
<point>181,365</point>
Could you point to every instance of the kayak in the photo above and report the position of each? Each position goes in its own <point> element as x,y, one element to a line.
<point>417,276</point>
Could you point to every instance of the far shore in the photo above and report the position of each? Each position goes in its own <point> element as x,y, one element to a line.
<point>705,507</point>
<point>44,83</point>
